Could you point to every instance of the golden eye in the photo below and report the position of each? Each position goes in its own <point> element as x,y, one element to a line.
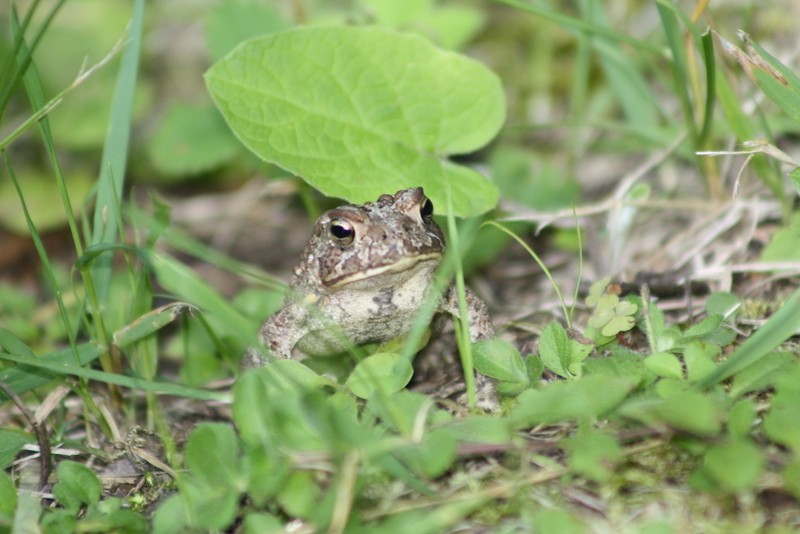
<point>342,231</point>
<point>426,210</point>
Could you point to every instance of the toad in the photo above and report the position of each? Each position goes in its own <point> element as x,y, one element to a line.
<point>363,278</point>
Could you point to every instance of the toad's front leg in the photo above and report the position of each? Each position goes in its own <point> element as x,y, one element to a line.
<point>480,327</point>
<point>280,333</point>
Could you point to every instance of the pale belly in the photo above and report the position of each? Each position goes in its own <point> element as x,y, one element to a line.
<point>361,313</point>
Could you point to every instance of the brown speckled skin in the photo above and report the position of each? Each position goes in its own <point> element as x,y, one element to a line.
<point>369,290</point>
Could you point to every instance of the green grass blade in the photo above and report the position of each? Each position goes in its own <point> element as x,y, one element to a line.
<point>33,87</point>
<point>462,332</point>
<point>95,252</point>
<point>744,128</point>
<point>631,89</point>
<point>40,250</point>
<point>181,241</point>
<point>680,69</point>
<point>541,264</point>
<point>115,153</point>
<point>626,79</point>
<point>12,343</point>
<point>781,326</point>
<point>578,91</point>
<point>576,294</point>
<point>778,82</point>
<point>23,60</point>
<point>224,319</point>
<point>687,21</point>
<point>6,78</point>
<point>151,322</point>
<point>58,369</point>
<point>22,379</point>
<point>55,101</point>
<point>33,371</point>
<point>711,94</point>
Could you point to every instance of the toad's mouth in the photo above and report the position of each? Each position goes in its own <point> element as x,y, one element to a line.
<point>393,270</point>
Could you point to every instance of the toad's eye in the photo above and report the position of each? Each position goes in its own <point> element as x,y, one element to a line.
<point>426,210</point>
<point>342,231</point>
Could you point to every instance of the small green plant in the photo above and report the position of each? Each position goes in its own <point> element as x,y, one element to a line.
<point>562,354</point>
<point>610,314</point>
<point>685,353</point>
<point>78,491</point>
<point>502,361</point>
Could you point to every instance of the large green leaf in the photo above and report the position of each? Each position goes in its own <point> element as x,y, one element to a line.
<point>359,112</point>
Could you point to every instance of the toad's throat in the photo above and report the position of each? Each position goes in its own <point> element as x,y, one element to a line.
<point>406,264</point>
